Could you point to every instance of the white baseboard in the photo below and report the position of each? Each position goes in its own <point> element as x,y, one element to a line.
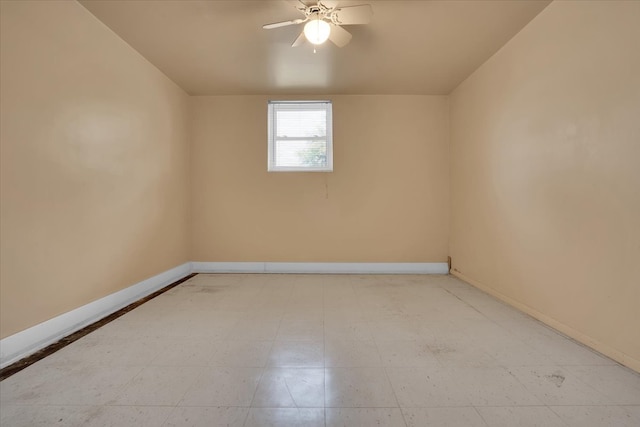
<point>322,267</point>
<point>24,343</point>
<point>599,346</point>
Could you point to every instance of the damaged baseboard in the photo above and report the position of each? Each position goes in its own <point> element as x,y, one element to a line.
<point>24,343</point>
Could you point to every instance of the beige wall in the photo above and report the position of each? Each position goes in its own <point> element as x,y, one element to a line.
<point>94,164</point>
<point>545,149</point>
<point>386,200</point>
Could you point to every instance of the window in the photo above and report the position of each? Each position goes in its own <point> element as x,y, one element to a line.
<point>300,136</point>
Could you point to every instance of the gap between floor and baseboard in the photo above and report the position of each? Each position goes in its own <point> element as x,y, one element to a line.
<point>30,356</point>
<point>26,347</point>
<point>610,352</point>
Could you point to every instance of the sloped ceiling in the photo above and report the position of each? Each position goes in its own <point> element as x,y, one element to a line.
<point>410,47</point>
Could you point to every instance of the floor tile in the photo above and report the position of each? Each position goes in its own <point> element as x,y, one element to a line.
<point>511,351</point>
<point>364,417</point>
<point>128,330</point>
<point>341,329</point>
<point>34,384</point>
<point>297,354</point>
<point>236,353</point>
<point>303,314</point>
<point>460,352</point>
<point>564,351</point>
<point>223,387</point>
<point>556,386</point>
<point>184,352</point>
<point>207,417</point>
<point>142,416</point>
<point>619,385</point>
<point>159,385</point>
<point>254,330</point>
<point>407,354</point>
<point>290,388</point>
<point>529,416</point>
<point>408,330</point>
<point>350,353</point>
<point>358,388</point>
<point>293,330</point>
<point>427,387</point>
<point>438,387</point>
<point>443,417</point>
<point>285,417</point>
<point>81,385</point>
<point>491,387</point>
<point>596,416</point>
<point>340,301</point>
<point>45,415</point>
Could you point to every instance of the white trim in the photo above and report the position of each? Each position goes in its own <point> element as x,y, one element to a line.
<point>605,349</point>
<point>227,267</point>
<point>322,267</point>
<point>24,343</point>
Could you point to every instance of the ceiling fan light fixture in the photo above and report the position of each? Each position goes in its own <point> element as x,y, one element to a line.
<point>317,31</point>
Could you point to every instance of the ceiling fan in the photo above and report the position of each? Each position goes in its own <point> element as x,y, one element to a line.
<point>324,20</point>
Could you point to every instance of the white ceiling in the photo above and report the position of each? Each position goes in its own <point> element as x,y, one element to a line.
<point>219,47</point>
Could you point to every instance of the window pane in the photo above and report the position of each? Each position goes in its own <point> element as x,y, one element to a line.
<point>300,136</point>
<point>301,153</point>
<point>292,123</point>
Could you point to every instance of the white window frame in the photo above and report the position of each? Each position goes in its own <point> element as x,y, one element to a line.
<point>272,132</point>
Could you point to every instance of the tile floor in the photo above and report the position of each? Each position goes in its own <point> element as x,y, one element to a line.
<point>313,350</point>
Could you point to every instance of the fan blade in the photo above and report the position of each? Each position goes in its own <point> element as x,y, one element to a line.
<point>339,36</point>
<point>329,4</point>
<point>300,40</point>
<point>353,15</point>
<point>283,24</point>
<point>298,4</point>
